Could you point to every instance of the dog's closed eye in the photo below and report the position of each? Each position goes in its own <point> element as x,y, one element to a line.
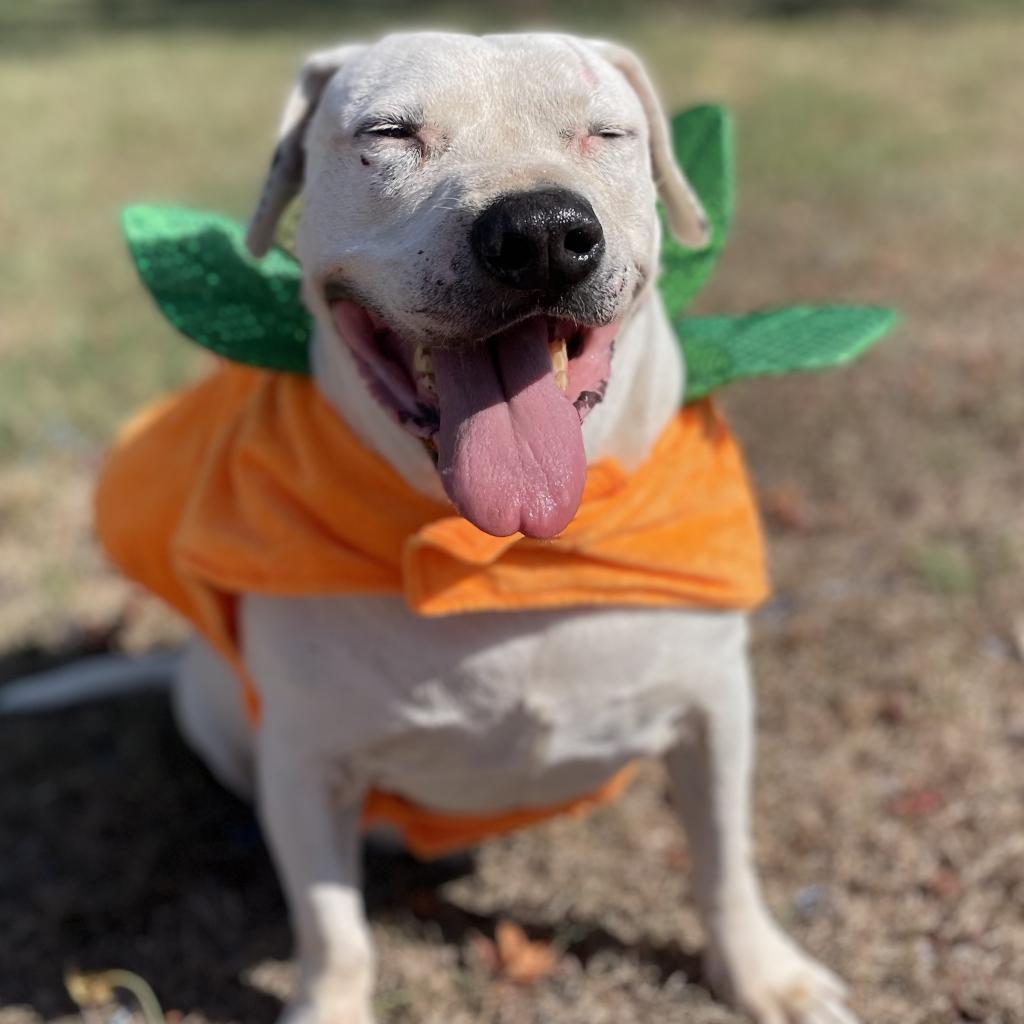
<point>608,131</point>
<point>388,130</point>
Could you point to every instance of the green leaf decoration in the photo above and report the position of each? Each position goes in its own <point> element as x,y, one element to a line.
<point>198,270</point>
<point>703,141</point>
<point>721,349</point>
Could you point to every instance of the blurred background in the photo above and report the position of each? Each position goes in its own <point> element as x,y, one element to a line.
<point>880,161</point>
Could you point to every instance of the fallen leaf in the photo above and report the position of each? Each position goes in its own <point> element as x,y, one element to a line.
<point>424,903</point>
<point>945,884</point>
<point>786,505</point>
<point>916,803</point>
<point>678,857</point>
<point>893,709</point>
<point>519,959</point>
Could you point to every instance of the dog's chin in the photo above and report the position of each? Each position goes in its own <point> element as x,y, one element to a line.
<point>500,415</point>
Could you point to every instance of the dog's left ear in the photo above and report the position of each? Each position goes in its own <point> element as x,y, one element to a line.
<point>686,217</point>
<point>284,178</point>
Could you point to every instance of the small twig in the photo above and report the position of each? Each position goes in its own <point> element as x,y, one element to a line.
<point>1017,637</point>
<point>93,991</point>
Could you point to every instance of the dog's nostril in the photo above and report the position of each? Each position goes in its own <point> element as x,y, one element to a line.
<point>581,241</point>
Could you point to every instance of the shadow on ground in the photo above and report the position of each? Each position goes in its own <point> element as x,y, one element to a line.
<point>122,851</point>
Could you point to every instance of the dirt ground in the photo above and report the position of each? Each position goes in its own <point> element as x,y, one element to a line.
<point>890,790</point>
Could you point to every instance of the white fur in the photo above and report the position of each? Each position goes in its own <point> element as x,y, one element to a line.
<point>485,712</point>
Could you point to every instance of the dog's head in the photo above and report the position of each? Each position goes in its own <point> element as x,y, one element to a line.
<point>479,218</point>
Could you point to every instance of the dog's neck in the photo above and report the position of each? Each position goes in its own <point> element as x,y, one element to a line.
<point>643,393</point>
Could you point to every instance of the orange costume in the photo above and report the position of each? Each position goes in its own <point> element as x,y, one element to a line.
<point>250,483</point>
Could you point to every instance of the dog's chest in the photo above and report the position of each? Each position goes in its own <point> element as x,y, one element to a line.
<point>478,712</point>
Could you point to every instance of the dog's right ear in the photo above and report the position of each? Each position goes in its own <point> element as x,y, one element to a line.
<point>284,178</point>
<point>684,213</point>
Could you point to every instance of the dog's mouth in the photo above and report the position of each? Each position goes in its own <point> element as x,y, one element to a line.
<point>501,416</point>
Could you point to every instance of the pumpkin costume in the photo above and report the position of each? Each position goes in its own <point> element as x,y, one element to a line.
<point>249,482</point>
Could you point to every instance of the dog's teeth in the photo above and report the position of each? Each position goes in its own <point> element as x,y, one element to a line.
<point>423,362</point>
<point>559,362</point>
<point>423,369</point>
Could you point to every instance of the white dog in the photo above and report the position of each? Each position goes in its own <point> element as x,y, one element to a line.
<point>458,189</point>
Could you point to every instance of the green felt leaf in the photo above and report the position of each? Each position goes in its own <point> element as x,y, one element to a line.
<point>198,270</point>
<point>703,141</point>
<point>720,349</point>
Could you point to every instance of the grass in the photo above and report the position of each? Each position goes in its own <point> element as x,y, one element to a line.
<point>946,566</point>
<point>188,117</point>
<point>879,162</point>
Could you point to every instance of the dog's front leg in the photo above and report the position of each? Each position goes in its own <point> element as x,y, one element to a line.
<point>312,821</point>
<point>750,961</point>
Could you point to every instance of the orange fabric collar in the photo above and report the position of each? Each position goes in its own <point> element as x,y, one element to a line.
<point>250,483</point>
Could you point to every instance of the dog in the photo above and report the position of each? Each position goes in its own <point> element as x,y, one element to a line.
<point>473,209</point>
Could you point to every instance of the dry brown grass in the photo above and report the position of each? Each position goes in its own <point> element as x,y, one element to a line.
<point>880,162</point>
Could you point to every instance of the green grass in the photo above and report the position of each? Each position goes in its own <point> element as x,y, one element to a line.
<point>946,567</point>
<point>899,125</point>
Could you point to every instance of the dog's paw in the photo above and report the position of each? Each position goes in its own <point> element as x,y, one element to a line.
<point>330,1005</point>
<point>764,974</point>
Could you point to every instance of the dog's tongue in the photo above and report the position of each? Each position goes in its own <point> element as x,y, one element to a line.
<point>510,444</point>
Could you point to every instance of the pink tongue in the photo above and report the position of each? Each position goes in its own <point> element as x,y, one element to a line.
<point>511,448</point>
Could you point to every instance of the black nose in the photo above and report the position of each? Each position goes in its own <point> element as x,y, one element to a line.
<point>546,240</point>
